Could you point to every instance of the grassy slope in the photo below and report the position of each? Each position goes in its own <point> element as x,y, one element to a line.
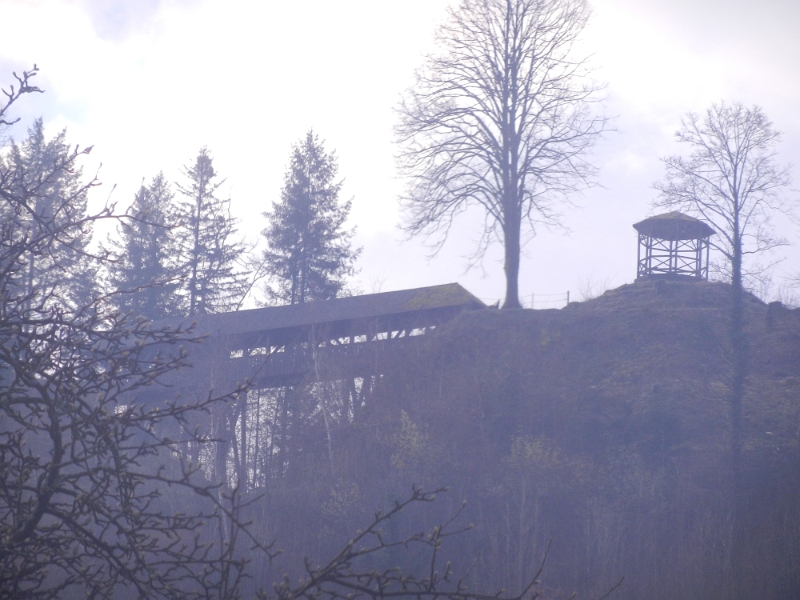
<point>614,411</point>
<point>603,426</point>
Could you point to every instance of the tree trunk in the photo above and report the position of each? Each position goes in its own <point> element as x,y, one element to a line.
<point>221,433</point>
<point>738,376</point>
<point>284,427</point>
<point>511,234</point>
<point>195,259</point>
<point>739,355</point>
<point>739,369</point>
<point>243,468</point>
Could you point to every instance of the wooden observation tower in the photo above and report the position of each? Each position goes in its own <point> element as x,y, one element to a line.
<point>673,246</point>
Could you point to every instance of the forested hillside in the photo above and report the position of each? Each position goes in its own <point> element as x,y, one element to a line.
<point>603,427</point>
<point>160,438</point>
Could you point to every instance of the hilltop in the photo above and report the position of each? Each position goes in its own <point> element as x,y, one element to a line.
<point>603,426</point>
<point>633,348</point>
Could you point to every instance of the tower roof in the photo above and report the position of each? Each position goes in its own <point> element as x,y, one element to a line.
<point>674,226</point>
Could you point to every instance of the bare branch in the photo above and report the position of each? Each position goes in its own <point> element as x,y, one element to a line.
<point>12,94</point>
<point>349,576</point>
<point>730,180</point>
<point>501,119</point>
<point>96,494</point>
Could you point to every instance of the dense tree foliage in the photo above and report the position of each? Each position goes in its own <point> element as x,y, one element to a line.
<point>144,270</point>
<point>44,171</point>
<point>309,252</point>
<point>209,252</point>
<point>95,500</point>
<point>98,494</point>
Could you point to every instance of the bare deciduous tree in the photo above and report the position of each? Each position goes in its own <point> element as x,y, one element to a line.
<point>500,118</point>
<point>352,574</point>
<point>730,179</point>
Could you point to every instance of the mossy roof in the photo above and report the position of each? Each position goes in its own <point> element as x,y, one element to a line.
<point>674,226</point>
<point>366,306</point>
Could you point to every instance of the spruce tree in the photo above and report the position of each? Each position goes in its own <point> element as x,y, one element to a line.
<point>309,252</point>
<point>65,272</point>
<point>144,270</point>
<point>208,247</point>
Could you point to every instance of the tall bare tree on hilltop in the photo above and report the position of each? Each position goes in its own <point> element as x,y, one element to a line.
<point>730,179</point>
<point>501,118</point>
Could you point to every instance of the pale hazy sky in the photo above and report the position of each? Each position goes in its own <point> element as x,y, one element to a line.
<point>148,82</point>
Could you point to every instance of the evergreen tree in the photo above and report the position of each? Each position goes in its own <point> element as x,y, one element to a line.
<point>65,271</point>
<point>309,251</point>
<point>144,270</point>
<point>208,248</point>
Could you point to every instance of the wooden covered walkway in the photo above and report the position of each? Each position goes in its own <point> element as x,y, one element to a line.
<point>327,340</point>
